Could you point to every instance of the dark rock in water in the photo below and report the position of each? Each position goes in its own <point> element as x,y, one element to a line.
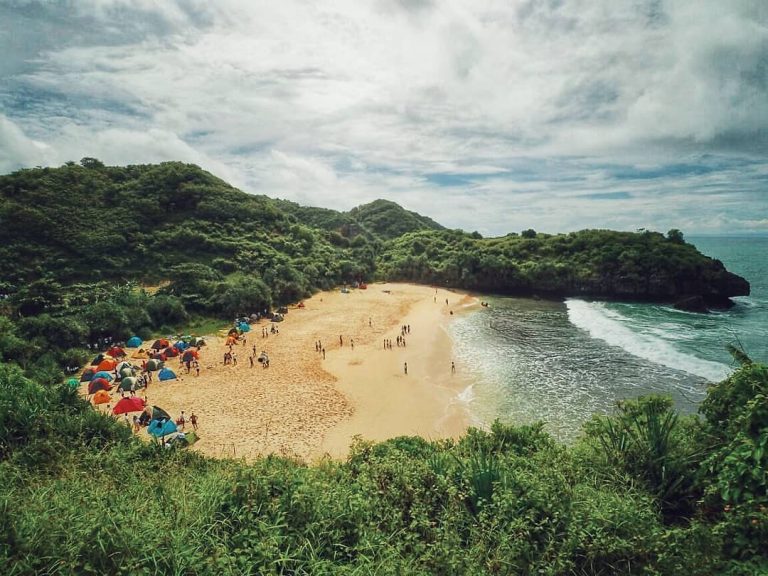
<point>692,304</point>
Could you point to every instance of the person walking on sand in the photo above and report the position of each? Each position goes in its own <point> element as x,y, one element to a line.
<point>181,421</point>
<point>352,343</point>
<point>323,353</point>
<point>234,359</point>
<point>250,359</point>
<point>193,420</point>
<point>405,368</point>
<point>341,340</point>
<point>453,368</point>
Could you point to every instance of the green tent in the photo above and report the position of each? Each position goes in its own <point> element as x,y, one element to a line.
<point>73,383</point>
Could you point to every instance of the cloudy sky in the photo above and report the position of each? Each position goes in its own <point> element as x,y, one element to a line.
<point>488,115</point>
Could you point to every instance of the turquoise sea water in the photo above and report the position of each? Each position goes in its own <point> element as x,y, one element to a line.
<point>561,362</point>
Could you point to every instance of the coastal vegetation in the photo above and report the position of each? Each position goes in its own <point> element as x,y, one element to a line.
<point>643,492</point>
<point>89,251</point>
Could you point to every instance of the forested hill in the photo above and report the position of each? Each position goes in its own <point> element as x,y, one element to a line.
<point>380,219</point>
<point>598,263</point>
<point>151,223</point>
<point>82,223</point>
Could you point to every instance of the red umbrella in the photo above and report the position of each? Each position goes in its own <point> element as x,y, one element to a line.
<point>132,404</point>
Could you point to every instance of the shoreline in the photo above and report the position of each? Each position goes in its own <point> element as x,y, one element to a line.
<point>311,408</point>
<point>387,402</point>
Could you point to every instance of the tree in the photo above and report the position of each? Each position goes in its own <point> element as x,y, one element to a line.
<point>675,236</point>
<point>530,233</point>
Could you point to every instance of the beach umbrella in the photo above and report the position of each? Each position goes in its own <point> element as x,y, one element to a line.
<point>98,384</point>
<point>73,383</point>
<point>133,342</point>
<point>166,374</point>
<point>126,405</point>
<point>101,397</point>
<point>128,384</point>
<point>162,427</point>
<point>87,375</point>
<point>105,375</point>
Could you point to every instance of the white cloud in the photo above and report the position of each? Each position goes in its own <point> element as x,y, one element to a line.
<point>528,105</point>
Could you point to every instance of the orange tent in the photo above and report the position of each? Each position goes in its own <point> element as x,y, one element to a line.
<point>107,365</point>
<point>101,397</point>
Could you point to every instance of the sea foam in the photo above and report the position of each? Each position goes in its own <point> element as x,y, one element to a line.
<point>612,328</point>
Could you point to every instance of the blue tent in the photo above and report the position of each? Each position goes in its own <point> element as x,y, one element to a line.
<point>166,374</point>
<point>133,342</point>
<point>103,374</point>
<point>181,345</point>
<point>161,427</point>
<point>244,327</point>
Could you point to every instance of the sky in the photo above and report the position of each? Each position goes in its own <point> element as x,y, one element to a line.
<point>486,115</point>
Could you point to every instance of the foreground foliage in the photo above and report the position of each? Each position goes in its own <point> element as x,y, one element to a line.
<point>639,494</point>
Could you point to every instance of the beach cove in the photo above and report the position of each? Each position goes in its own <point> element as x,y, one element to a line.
<point>309,407</point>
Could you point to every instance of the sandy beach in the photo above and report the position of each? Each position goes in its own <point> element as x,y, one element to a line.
<point>310,407</point>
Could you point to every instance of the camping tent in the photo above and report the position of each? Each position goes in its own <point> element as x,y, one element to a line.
<point>116,352</point>
<point>128,384</point>
<point>190,355</point>
<point>181,345</point>
<point>124,364</point>
<point>73,383</point>
<point>98,358</point>
<point>107,364</point>
<point>101,397</point>
<point>133,342</point>
<point>244,327</point>
<point>126,405</point>
<point>197,341</point>
<point>154,365</point>
<point>159,414</point>
<point>98,384</point>
<point>87,375</point>
<point>161,427</point>
<point>166,374</point>
<point>106,375</point>
<point>171,352</point>
<point>127,372</point>
<point>160,343</point>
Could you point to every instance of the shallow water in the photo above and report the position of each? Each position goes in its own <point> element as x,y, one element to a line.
<point>562,362</point>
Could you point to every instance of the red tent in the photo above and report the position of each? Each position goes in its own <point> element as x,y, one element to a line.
<point>171,352</point>
<point>116,352</point>
<point>190,355</point>
<point>160,343</point>
<point>132,404</point>
<point>98,384</point>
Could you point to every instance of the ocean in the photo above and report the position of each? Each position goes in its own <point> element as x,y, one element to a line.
<point>562,362</point>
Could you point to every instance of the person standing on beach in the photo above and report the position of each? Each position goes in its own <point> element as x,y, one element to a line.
<point>352,343</point>
<point>405,368</point>
<point>323,353</point>
<point>193,420</point>
<point>250,359</point>
<point>341,340</point>
<point>453,368</point>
